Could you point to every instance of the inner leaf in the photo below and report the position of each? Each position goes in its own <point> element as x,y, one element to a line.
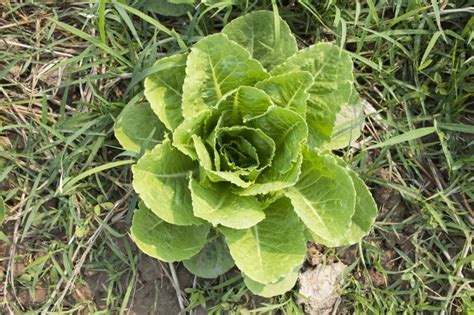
<point>245,147</point>
<point>239,153</point>
<point>243,104</point>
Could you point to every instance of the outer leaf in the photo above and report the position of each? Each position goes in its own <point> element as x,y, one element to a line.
<point>215,67</point>
<point>331,68</point>
<point>212,261</point>
<point>256,32</point>
<point>363,218</point>
<point>218,204</point>
<point>270,249</point>
<point>288,129</point>
<point>161,179</point>
<point>138,127</point>
<point>289,90</point>
<point>165,241</point>
<point>349,122</point>
<point>324,196</point>
<point>163,89</point>
<point>282,286</point>
<point>365,211</point>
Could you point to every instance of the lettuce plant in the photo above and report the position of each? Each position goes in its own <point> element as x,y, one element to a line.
<point>237,165</point>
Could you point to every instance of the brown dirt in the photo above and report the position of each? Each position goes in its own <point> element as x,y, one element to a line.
<point>153,293</point>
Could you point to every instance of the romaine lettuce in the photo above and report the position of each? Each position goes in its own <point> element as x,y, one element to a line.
<point>244,172</point>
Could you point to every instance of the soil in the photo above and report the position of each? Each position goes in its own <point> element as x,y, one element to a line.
<point>153,293</point>
<point>154,283</point>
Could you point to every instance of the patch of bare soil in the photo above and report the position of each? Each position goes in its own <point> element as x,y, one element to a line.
<point>154,293</point>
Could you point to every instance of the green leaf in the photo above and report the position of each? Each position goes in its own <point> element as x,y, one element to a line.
<point>331,68</point>
<point>288,130</point>
<point>167,242</point>
<point>236,154</point>
<point>138,127</point>
<point>272,180</point>
<point>257,33</point>
<point>243,170</point>
<point>283,285</point>
<point>364,214</point>
<point>183,134</point>
<point>232,140</point>
<point>202,153</point>
<point>289,90</point>
<point>348,125</point>
<point>263,144</point>
<point>324,196</point>
<point>270,249</point>
<point>212,261</point>
<point>216,66</point>
<point>235,177</point>
<point>244,104</point>
<point>239,154</point>
<point>163,89</point>
<point>218,204</point>
<point>161,179</point>
<point>365,211</point>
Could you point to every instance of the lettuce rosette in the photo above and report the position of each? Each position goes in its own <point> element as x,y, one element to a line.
<point>236,165</point>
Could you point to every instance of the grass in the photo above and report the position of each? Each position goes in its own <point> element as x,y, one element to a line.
<point>67,70</point>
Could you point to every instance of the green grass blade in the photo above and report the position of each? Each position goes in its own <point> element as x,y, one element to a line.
<point>92,40</point>
<point>71,182</point>
<point>153,22</point>
<point>2,210</point>
<point>430,46</point>
<point>407,136</point>
<point>102,21</point>
<point>456,127</point>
